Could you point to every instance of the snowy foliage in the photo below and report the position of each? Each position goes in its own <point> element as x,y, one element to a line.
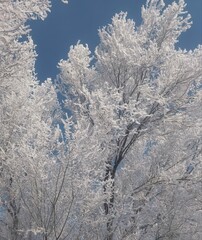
<point>32,160</point>
<point>138,92</point>
<point>127,164</point>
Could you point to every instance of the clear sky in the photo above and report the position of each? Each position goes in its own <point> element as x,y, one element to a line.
<point>80,20</point>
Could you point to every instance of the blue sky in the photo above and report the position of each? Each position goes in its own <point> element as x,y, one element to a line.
<point>80,20</point>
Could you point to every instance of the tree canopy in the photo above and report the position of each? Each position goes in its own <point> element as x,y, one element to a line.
<point>119,156</point>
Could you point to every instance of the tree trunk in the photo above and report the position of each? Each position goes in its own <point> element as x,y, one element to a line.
<point>13,210</point>
<point>109,203</point>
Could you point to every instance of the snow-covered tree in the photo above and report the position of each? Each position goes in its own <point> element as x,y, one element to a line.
<point>34,163</point>
<point>137,114</point>
<point>127,163</point>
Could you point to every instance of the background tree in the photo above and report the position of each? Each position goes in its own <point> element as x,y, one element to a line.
<point>35,197</point>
